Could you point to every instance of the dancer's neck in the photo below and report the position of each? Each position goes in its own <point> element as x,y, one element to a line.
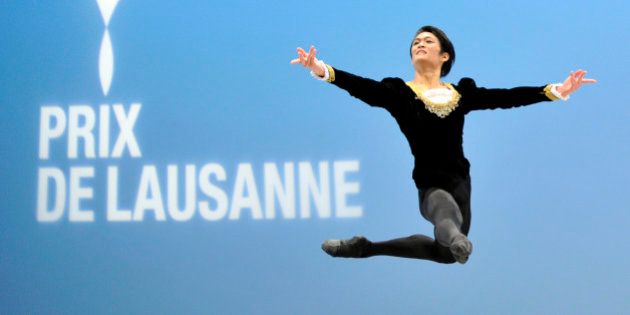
<point>428,79</point>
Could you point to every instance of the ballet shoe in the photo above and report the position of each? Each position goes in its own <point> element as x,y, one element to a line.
<point>461,248</point>
<point>352,248</point>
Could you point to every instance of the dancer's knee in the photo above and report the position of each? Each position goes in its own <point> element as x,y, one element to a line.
<point>441,205</point>
<point>438,195</point>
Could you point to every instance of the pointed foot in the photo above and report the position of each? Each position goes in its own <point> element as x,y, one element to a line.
<point>352,248</point>
<point>461,248</point>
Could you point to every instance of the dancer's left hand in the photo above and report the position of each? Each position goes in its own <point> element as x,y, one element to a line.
<point>574,82</point>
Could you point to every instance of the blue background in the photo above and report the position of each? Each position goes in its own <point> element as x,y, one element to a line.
<point>550,181</point>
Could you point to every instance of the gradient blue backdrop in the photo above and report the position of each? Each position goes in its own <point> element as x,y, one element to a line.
<point>550,181</point>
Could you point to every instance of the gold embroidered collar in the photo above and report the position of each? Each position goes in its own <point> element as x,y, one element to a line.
<point>441,109</point>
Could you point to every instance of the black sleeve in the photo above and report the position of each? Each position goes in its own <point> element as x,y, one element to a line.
<point>383,93</point>
<point>481,98</point>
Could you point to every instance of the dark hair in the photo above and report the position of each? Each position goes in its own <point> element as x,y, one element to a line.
<point>445,46</point>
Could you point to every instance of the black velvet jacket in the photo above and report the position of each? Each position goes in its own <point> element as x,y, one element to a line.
<point>436,143</point>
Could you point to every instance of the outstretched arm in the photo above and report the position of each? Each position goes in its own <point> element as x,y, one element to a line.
<point>482,98</point>
<point>372,92</point>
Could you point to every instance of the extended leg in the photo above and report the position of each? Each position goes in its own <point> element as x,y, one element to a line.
<point>415,246</point>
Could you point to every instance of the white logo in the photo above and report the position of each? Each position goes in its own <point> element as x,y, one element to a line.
<point>290,191</point>
<point>106,56</point>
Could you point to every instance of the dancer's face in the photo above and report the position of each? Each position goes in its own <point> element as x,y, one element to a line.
<point>426,48</point>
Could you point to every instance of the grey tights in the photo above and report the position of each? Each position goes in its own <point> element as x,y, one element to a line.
<point>440,208</point>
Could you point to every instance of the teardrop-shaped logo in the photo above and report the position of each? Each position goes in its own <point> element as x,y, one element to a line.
<point>106,55</point>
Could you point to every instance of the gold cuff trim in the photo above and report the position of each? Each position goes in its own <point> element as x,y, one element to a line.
<point>331,74</point>
<point>549,94</point>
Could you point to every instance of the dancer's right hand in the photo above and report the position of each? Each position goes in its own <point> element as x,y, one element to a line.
<point>309,61</point>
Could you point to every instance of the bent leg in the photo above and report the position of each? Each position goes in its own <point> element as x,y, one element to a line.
<point>440,208</point>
